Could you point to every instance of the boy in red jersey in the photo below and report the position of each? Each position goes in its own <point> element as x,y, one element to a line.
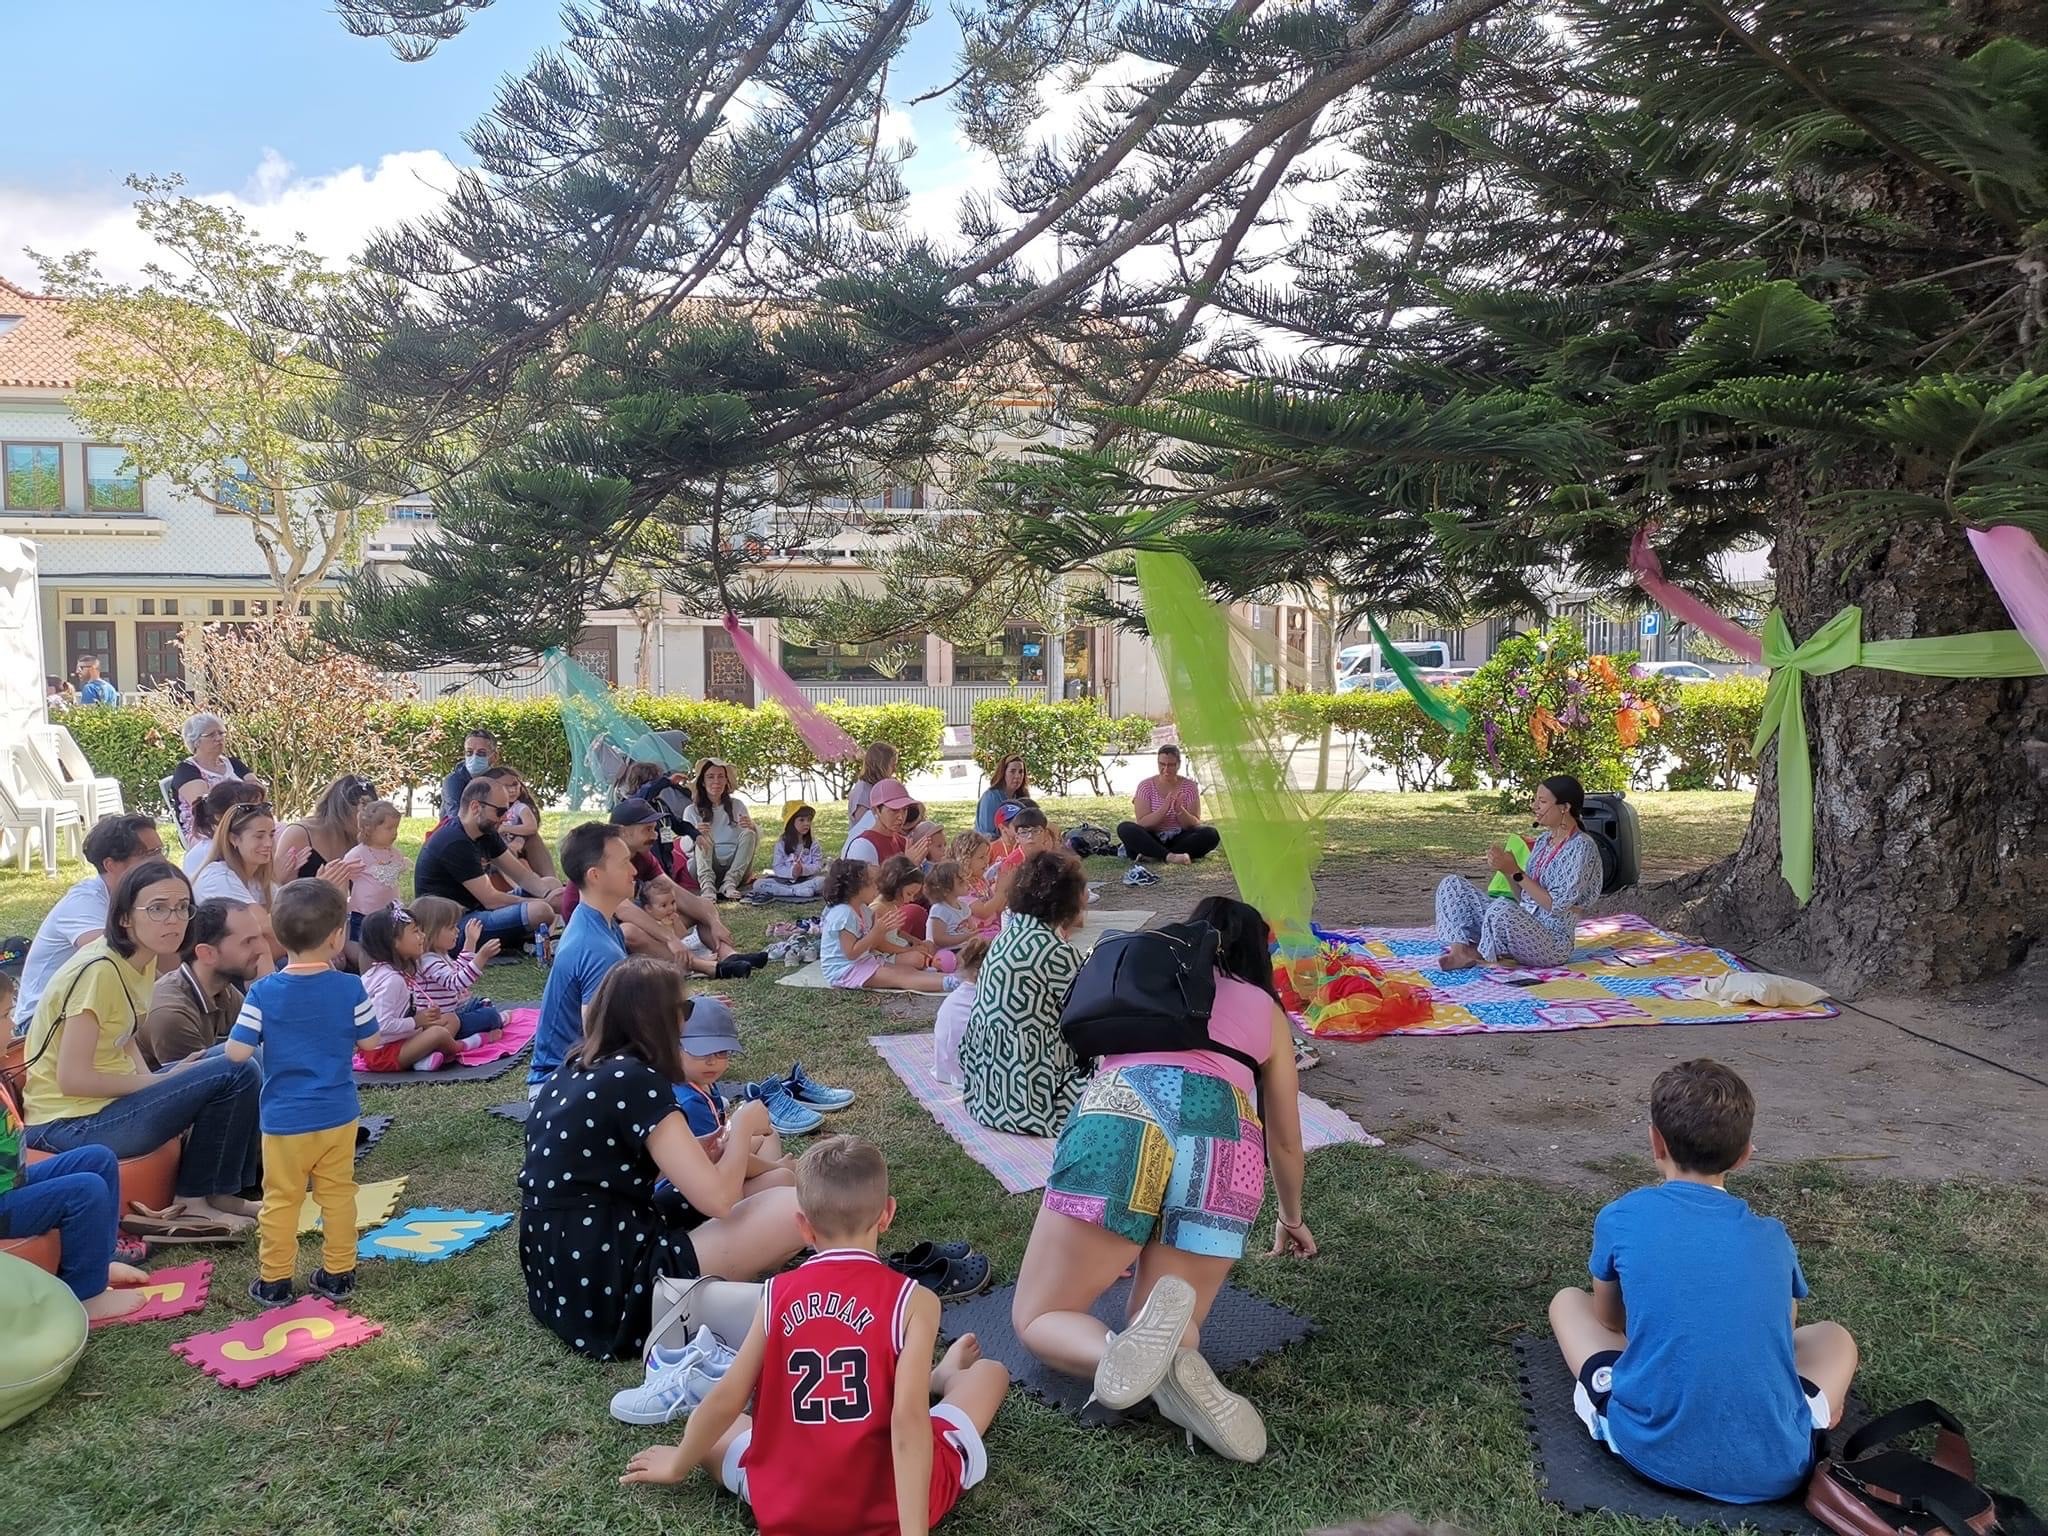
<point>845,1439</point>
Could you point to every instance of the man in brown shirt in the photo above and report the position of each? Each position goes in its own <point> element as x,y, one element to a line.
<point>193,1008</point>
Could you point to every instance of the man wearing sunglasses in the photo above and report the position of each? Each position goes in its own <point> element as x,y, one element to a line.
<point>113,847</point>
<point>457,860</point>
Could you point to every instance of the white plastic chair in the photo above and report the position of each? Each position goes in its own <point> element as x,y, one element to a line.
<point>98,796</point>
<point>24,813</point>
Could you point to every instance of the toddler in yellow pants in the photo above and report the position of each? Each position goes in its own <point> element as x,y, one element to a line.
<point>307,1020</point>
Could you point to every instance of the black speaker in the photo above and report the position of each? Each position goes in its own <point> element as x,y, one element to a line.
<point>1612,822</point>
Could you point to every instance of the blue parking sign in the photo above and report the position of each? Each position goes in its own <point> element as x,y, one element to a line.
<point>1652,622</point>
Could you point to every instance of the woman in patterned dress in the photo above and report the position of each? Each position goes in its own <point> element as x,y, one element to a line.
<point>1538,926</point>
<point>1020,1075</point>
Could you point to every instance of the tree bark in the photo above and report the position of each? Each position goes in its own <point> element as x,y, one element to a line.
<point>1929,820</point>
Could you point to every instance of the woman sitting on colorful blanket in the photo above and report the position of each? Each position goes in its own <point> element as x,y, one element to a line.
<point>1164,1163</point>
<point>1536,925</point>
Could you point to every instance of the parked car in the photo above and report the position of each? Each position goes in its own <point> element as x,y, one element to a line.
<point>1673,671</point>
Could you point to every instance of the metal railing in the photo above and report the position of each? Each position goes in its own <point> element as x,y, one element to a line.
<point>956,700</point>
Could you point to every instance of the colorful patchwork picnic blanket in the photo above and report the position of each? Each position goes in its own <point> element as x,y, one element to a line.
<point>1624,971</point>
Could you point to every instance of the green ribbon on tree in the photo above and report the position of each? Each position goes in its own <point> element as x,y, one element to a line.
<point>1835,646</point>
<point>1427,699</point>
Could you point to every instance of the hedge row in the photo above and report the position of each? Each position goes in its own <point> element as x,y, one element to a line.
<point>761,744</point>
<point>1703,741</point>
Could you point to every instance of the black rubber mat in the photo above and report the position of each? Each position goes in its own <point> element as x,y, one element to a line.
<point>477,1074</point>
<point>370,1130</point>
<point>516,1111</point>
<point>1582,1475</point>
<point>1241,1329</point>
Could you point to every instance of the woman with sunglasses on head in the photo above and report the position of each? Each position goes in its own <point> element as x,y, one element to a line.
<point>308,846</point>
<point>88,1085</point>
<point>241,865</point>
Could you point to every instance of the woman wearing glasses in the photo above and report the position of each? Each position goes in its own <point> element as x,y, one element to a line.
<point>87,1084</point>
<point>206,738</point>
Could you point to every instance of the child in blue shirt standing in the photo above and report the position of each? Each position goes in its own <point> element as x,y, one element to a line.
<point>1689,1367</point>
<point>308,1020</point>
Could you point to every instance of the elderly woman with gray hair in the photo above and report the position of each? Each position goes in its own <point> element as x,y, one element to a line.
<point>206,738</point>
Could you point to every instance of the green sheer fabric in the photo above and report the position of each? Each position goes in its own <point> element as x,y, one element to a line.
<point>1427,699</point>
<point>1271,831</point>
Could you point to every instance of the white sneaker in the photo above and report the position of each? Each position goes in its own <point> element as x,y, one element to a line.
<point>1138,1358</point>
<point>1192,1397</point>
<point>665,1392</point>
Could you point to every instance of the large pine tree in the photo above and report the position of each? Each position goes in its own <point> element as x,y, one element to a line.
<point>1781,270</point>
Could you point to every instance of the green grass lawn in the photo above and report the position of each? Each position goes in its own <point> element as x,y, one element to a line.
<point>467,1417</point>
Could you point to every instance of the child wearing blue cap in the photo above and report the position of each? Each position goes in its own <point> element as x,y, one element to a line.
<point>710,1041</point>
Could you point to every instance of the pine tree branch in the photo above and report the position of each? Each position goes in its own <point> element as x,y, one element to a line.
<point>1262,135</point>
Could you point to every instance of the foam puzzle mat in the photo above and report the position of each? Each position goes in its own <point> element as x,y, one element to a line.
<point>374,1205</point>
<point>1241,1329</point>
<point>172,1293</point>
<point>1624,971</point>
<point>1584,1476</point>
<point>429,1234</point>
<point>275,1343</point>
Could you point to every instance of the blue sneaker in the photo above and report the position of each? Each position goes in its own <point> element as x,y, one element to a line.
<point>806,1089</point>
<point>789,1117</point>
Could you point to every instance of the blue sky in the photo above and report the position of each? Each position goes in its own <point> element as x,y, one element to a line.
<point>272,104</point>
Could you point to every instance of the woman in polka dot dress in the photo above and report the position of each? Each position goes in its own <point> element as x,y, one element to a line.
<point>594,1230</point>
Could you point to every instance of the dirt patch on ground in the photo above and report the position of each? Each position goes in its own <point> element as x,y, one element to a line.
<point>1921,1088</point>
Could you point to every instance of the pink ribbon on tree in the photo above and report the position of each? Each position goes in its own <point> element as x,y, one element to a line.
<point>826,740</point>
<point>1680,604</point>
<point>2018,568</point>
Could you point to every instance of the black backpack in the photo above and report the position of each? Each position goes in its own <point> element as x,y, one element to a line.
<point>1147,991</point>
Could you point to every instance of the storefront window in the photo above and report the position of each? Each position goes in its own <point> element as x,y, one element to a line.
<point>894,661</point>
<point>1017,655</point>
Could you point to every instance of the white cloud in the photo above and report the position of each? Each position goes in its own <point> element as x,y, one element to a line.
<point>336,213</point>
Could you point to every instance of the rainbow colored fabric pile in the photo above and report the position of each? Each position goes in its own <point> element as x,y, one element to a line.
<point>1624,971</point>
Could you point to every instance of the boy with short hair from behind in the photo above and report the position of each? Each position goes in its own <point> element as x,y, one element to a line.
<point>307,1019</point>
<point>845,1440</point>
<point>1689,1366</point>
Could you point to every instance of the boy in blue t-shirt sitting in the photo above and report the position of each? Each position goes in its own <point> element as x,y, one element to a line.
<point>308,1020</point>
<point>1689,1367</point>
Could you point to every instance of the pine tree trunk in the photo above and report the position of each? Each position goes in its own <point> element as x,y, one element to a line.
<point>1930,824</point>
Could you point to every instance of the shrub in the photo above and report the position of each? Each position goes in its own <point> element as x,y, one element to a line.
<point>129,744</point>
<point>1708,728</point>
<point>296,708</point>
<point>1386,727</point>
<point>1543,706</point>
<point>1060,742</point>
<point>916,731</point>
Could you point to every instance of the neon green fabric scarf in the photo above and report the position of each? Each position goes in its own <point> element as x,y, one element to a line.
<point>1269,830</point>
<point>1836,645</point>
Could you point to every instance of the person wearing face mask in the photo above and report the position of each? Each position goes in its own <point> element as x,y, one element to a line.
<point>479,752</point>
<point>457,860</point>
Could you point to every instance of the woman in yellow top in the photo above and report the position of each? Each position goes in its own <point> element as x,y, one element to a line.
<point>89,1086</point>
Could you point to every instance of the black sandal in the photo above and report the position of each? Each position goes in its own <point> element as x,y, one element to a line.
<point>952,1276</point>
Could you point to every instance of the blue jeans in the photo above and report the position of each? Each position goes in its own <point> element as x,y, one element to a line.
<point>214,1099</point>
<point>475,1017</point>
<point>508,923</point>
<point>79,1194</point>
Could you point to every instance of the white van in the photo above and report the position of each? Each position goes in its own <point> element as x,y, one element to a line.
<point>1357,665</point>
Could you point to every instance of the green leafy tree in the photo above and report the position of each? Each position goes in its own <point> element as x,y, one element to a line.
<point>190,373</point>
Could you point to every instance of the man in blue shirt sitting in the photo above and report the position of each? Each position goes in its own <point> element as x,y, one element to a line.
<point>1689,1367</point>
<point>595,859</point>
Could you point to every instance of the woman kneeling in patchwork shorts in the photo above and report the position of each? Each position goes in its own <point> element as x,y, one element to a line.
<point>1164,1161</point>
